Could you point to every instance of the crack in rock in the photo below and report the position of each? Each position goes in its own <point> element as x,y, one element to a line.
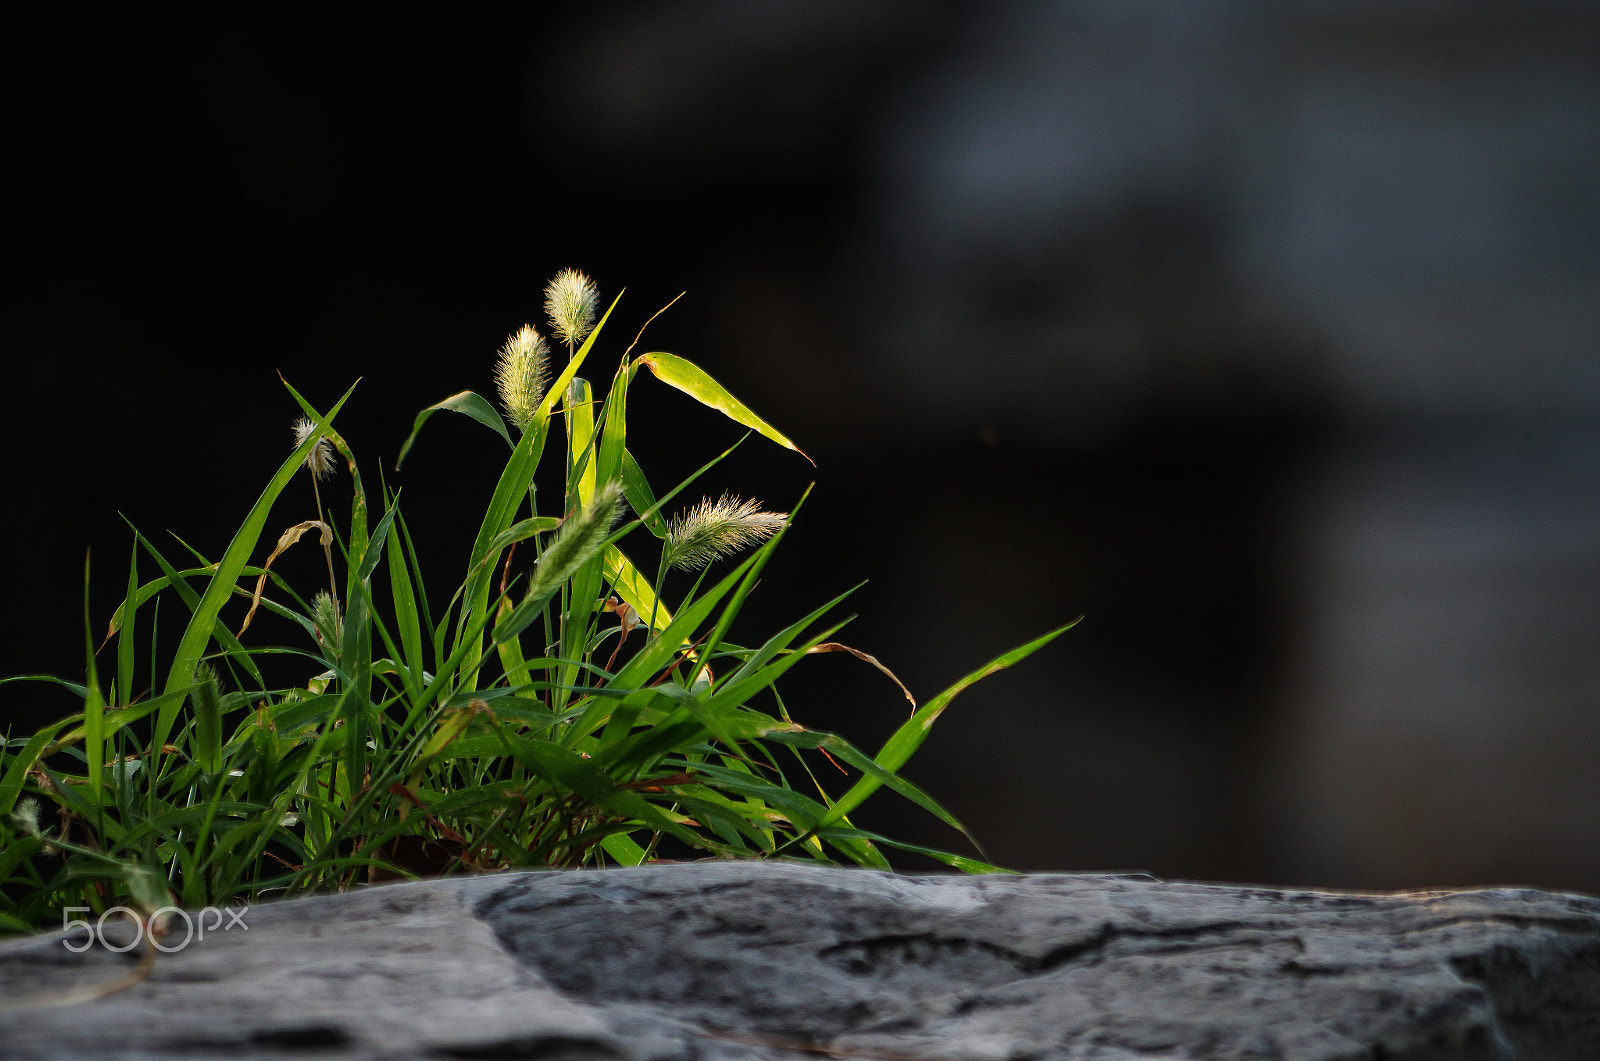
<point>1051,966</point>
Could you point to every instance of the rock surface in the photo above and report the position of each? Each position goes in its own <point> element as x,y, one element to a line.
<point>762,960</point>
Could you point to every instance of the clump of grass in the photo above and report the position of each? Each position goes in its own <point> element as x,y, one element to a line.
<point>484,735</point>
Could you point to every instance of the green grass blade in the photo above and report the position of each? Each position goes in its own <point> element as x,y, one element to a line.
<point>424,613</point>
<point>856,847</point>
<point>693,381</point>
<point>355,702</point>
<point>571,771</point>
<point>958,862</point>
<point>508,495</point>
<point>156,585</point>
<point>582,466</point>
<point>846,752</point>
<point>15,854</point>
<point>178,581</point>
<point>199,630</point>
<point>637,489</point>
<point>622,847</point>
<point>116,718</point>
<point>798,809</point>
<point>17,773</point>
<point>406,616</point>
<point>468,403</point>
<point>521,531</point>
<point>94,730</point>
<point>373,550</point>
<point>125,646</point>
<point>614,432</point>
<point>909,737</point>
<point>742,685</point>
<point>661,648</point>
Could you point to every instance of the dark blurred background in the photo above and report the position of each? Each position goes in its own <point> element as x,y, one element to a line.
<point>1263,335</point>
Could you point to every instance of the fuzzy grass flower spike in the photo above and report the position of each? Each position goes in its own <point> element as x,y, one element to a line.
<point>26,817</point>
<point>521,374</point>
<point>320,459</point>
<point>326,622</point>
<point>320,463</point>
<point>570,301</point>
<point>579,539</point>
<point>714,529</point>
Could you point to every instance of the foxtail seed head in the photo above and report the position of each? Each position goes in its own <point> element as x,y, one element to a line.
<point>580,536</point>
<point>326,622</point>
<point>320,459</point>
<point>570,301</point>
<point>25,818</point>
<point>521,374</point>
<point>714,529</point>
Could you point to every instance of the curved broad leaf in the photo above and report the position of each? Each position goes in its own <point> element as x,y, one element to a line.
<point>468,403</point>
<point>693,381</point>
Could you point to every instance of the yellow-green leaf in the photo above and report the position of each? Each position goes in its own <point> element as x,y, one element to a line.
<point>634,588</point>
<point>693,381</point>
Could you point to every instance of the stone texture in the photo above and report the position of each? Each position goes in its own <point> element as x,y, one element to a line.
<point>399,971</point>
<point>730,960</point>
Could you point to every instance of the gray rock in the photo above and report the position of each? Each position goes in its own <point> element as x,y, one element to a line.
<point>761,960</point>
<point>400,971</point>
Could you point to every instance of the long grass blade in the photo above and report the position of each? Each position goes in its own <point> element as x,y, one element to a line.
<point>94,705</point>
<point>909,737</point>
<point>25,760</point>
<point>468,403</point>
<point>614,431</point>
<point>697,384</point>
<point>125,643</point>
<point>191,646</point>
<point>640,496</point>
<point>582,460</point>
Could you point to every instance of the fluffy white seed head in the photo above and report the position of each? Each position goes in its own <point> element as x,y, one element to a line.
<point>521,374</point>
<point>570,301</point>
<point>714,529</point>
<point>26,816</point>
<point>320,459</point>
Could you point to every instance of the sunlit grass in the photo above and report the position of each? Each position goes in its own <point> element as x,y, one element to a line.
<point>569,711</point>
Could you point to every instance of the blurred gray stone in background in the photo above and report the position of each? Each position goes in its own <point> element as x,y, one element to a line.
<point>1130,247</point>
